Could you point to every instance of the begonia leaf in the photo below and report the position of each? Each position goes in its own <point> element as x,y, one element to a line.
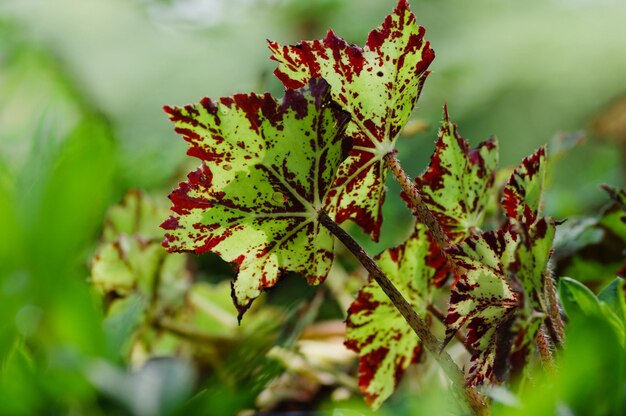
<point>376,330</point>
<point>138,213</point>
<point>534,253</point>
<point>267,167</point>
<point>131,257</point>
<point>499,297</point>
<point>523,192</point>
<point>483,298</point>
<point>378,85</point>
<point>459,182</point>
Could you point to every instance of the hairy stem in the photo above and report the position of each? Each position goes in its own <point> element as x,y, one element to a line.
<point>419,326</point>
<point>554,321</point>
<point>417,205</point>
<point>544,350</point>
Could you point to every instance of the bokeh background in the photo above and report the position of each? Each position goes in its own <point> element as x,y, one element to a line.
<point>82,84</point>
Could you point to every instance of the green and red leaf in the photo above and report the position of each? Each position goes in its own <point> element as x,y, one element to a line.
<point>267,168</point>
<point>523,192</point>
<point>379,86</point>
<point>483,299</point>
<point>458,183</point>
<point>500,296</point>
<point>376,330</point>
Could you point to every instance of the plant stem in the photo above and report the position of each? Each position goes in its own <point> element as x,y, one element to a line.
<point>419,326</point>
<point>554,322</point>
<point>544,350</point>
<point>189,332</point>
<point>417,205</point>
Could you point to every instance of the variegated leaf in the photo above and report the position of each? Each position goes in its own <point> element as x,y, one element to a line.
<point>534,253</point>
<point>379,86</point>
<point>267,167</point>
<point>523,192</point>
<point>131,257</point>
<point>459,182</point>
<point>376,330</point>
<point>500,297</point>
<point>483,299</point>
<point>137,214</point>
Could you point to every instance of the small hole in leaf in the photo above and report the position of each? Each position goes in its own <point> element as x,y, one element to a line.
<point>278,197</point>
<point>228,167</point>
<point>379,73</point>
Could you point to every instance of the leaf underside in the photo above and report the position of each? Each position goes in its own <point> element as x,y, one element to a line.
<point>523,191</point>
<point>386,344</point>
<point>378,85</point>
<point>266,170</point>
<point>500,296</point>
<point>458,183</point>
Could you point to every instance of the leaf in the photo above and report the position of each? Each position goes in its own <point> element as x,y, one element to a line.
<point>618,227</point>
<point>379,86</point>
<point>131,259</point>
<point>578,300</point>
<point>130,265</point>
<point>267,167</point>
<point>458,183</point>
<point>617,195</point>
<point>138,213</point>
<point>523,192</point>
<point>533,255</point>
<point>614,295</point>
<point>377,331</point>
<point>500,297</point>
<point>483,299</point>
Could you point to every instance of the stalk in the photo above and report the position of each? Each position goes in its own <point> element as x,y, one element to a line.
<point>417,205</point>
<point>554,322</point>
<point>544,350</point>
<point>419,326</point>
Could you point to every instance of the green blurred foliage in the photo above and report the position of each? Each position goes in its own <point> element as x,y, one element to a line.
<point>81,90</point>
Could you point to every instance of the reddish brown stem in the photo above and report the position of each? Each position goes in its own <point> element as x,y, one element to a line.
<point>554,322</point>
<point>419,326</point>
<point>544,350</point>
<point>417,205</point>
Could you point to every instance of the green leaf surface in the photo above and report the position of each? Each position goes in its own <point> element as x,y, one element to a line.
<point>267,168</point>
<point>614,295</point>
<point>386,344</point>
<point>379,86</point>
<point>130,265</point>
<point>578,299</point>
<point>131,262</point>
<point>458,184</point>
<point>138,213</point>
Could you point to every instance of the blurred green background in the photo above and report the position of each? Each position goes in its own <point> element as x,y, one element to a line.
<point>82,84</point>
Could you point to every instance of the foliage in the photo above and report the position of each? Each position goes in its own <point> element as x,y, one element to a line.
<point>151,332</point>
